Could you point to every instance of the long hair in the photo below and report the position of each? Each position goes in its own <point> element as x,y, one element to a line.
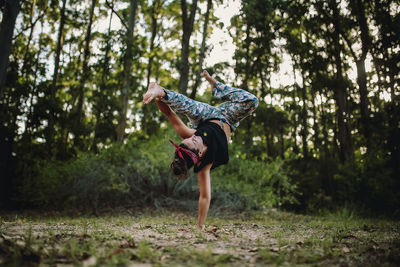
<point>180,167</point>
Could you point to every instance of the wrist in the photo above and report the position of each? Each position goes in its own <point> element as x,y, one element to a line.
<point>164,94</point>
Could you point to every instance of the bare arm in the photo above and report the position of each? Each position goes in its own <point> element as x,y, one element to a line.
<point>205,194</point>
<point>157,92</point>
<point>174,119</point>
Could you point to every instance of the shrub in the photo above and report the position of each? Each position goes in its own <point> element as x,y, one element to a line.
<point>266,183</point>
<point>137,174</point>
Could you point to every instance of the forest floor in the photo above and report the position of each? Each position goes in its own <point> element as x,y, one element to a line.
<point>170,239</point>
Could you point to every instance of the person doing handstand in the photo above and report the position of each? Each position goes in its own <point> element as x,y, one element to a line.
<point>205,146</point>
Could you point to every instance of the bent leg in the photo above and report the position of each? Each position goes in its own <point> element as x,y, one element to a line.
<point>196,111</point>
<point>240,103</point>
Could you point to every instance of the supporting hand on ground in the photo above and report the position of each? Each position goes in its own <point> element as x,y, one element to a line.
<point>201,228</point>
<point>153,91</point>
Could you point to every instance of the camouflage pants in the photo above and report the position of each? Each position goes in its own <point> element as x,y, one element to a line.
<point>239,105</point>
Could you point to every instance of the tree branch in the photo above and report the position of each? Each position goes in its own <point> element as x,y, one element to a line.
<point>192,13</point>
<point>31,25</point>
<point>116,13</point>
<point>349,45</point>
<point>184,12</point>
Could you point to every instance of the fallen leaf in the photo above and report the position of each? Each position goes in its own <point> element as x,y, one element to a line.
<point>368,228</point>
<point>164,258</point>
<point>253,259</point>
<point>351,236</point>
<point>218,251</point>
<point>275,249</point>
<point>373,241</point>
<point>213,228</point>
<point>6,237</point>
<point>283,247</point>
<point>20,243</point>
<point>127,244</point>
<point>115,252</point>
<point>89,261</point>
<point>345,250</point>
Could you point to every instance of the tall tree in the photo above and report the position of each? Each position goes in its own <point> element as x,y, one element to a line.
<point>10,12</point>
<point>358,9</point>
<point>386,61</point>
<point>339,87</point>
<point>154,25</point>
<point>304,115</point>
<point>202,50</point>
<point>53,87</point>
<point>127,72</point>
<point>157,4</point>
<point>78,123</point>
<point>187,27</point>
<point>103,98</point>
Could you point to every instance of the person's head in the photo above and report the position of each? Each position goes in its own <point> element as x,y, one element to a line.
<point>187,154</point>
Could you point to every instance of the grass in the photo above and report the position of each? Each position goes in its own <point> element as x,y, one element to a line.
<point>170,239</point>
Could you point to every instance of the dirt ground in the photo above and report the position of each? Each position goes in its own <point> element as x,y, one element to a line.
<point>171,239</point>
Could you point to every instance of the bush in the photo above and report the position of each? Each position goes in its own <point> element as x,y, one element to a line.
<point>266,183</point>
<point>137,174</point>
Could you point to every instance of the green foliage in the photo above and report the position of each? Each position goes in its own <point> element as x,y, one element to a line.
<point>137,173</point>
<point>268,184</point>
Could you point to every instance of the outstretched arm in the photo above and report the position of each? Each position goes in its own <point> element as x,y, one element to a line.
<point>205,194</point>
<point>157,92</point>
<point>174,119</point>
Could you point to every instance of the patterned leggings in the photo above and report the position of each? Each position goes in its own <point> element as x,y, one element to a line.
<point>240,104</point>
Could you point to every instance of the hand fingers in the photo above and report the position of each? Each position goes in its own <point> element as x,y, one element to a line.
<point>147,98</point>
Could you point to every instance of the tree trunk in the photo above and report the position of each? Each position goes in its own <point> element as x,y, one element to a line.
<point>282,142</point>
<point>154,26</point>
<point>324,128</point>
<point>344,132</point>
<point>304,130</point>
<point>84,76</point>
<point>270,150</point>
<point>245,85</point>
<point>187,27</point>
<point>387,64</point>
<point>127,73</point>
<point>294,119</point>
<point>29,127</point>
<point>10,13</point>
<point>317,140</point>
<point>359,11</point>
<point>53,88</point>
<point>27,50</point>
<point>364,102</point>
<point>202,51</point>
<point>362,76</point>
<point>103,87</point>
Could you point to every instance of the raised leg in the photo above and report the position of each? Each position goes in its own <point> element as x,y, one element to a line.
<point>196,111</point>
<point>240,103</point>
